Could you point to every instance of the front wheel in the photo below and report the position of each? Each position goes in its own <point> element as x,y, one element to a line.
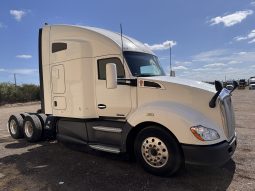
<point>158,151</point>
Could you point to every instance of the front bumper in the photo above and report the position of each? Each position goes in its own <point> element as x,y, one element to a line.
<point>211,155</point>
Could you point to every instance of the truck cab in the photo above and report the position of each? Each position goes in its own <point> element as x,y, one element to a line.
<point>109,92</point>
<point>252,83</point>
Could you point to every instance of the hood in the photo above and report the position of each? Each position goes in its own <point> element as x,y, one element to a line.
<point>180,81</point>
<point>173,91</point>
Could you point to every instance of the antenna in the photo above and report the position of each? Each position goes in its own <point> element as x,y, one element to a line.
<point>170,54</point>
<point>121,43</point>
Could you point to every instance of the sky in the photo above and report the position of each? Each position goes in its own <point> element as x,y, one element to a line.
<point>210,39</point>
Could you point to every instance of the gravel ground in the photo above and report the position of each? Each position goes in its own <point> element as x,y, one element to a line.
<point>54,166</point>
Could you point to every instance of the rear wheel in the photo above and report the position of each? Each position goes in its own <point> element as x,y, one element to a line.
<point>15,126</point>
<point>32,128</point>
<point>42,117</point>
<point>158,151</point>
<point>24,115</point>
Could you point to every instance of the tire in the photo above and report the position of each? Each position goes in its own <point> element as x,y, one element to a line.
<point>32,128</point>
<point>24,115</point>
<point>15,126</point>
<point>158,151</point>
<point>42,117</point>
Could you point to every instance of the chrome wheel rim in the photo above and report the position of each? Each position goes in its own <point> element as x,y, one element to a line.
<point>28,129</point>
<point>154,152</point>
<point>13,127</point>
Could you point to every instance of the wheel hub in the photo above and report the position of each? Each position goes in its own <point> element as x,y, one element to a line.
<point>13,127</point>
<point>154,152</point>
<point>28,129</point>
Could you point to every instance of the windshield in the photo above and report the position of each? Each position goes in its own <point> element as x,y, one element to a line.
<point>143,65</point>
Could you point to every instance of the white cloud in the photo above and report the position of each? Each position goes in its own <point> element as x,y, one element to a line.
<point>223,56</point>
<point>163,46</point>
<point>209,56</point>
<point>250,37</point>
<point>234,62</point>
<point>17,14</point>
<point>200,69</point>
<point>214,65</point>
<point>183,63</point>
<point>24,56</point>
<point>23,71</point>
<point>241,53</point>
<point>231,19</point>
<point>251,41</point>
<point>180,68</point>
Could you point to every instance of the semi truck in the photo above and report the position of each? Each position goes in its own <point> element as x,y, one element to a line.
<point>242,84</point>
<point>252,83</point>
<point>108,91</point>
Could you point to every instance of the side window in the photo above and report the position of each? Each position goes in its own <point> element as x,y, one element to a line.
<point>101,67</point>
<point>58,46</point>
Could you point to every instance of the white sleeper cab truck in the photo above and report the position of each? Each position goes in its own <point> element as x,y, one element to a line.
<point>252,83</point>
<point>108,91</point>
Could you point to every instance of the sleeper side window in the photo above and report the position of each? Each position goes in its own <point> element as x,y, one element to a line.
<point>58,46</point>
<point>101,67</point>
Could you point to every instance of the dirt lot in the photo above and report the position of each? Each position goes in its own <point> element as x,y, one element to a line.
<point>53,166</point>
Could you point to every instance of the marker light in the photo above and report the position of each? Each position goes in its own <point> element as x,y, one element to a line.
<point>204,134</point>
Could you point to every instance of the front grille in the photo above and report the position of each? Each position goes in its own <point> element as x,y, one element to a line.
<point>228,117</point>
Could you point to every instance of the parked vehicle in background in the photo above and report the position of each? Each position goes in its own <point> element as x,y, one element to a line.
<point>252,83</point>
<point>109,92</point>
<point>241,84</point>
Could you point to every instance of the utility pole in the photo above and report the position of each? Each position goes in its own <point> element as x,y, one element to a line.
<point>15,83</point>
<point>172,73</point>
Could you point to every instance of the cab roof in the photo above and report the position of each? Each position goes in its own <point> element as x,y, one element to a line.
<point>129,44</point>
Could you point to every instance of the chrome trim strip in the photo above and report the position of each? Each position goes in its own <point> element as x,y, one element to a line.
<point>105,148</point>
<point>233,140</point>
<point>228,116</point>
<point>107,129</point>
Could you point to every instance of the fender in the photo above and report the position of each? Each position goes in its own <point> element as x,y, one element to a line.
<point>177,118</point>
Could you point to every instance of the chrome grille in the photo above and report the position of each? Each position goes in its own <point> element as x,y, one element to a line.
<point>228,116</point>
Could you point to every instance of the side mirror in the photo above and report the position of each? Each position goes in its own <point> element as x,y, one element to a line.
<point>111,76</point>
<point>218,86</point>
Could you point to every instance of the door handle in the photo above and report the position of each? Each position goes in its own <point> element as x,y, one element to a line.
<point>101,106</point>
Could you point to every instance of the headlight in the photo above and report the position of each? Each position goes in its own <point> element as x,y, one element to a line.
<point>204,134</point>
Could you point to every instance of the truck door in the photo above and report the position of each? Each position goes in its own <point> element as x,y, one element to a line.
<point>112,102</point>
<point>58,88</point>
